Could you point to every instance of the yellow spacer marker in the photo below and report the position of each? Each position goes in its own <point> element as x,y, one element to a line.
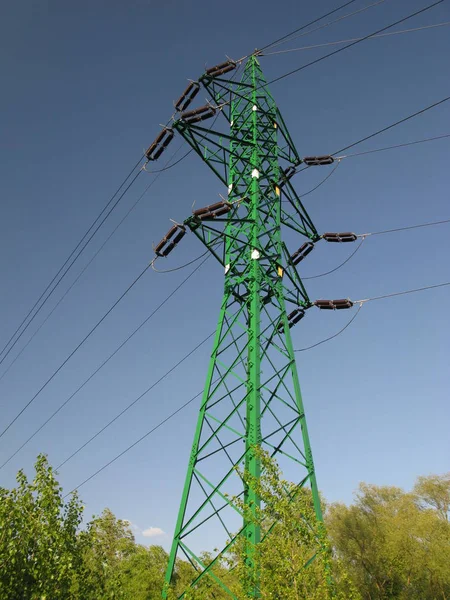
<point>280,271</point>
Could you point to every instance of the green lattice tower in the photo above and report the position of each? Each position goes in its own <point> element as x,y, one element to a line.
<point>252,395</point>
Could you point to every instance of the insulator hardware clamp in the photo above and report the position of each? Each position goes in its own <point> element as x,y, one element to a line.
<point>221,69</point>
<point>347,236</point>
<point>160,144</point>
<point>170,240</point>
<point>198,114</point>
<point>302,252</point>
<point>334,304</point>
<point>214,210</point>
<point>286,174</point>
<point>293,318</point>
<point>187,96</point>
<point>318,161</point>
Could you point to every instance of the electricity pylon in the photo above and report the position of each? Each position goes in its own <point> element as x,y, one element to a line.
<point>252,396</point>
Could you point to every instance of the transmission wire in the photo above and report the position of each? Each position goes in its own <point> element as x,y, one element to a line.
<point>341,265</point>
<point>363,9</point>
<point>421,289</point>
<point>357,39</point>
<point>199,393</point>
<point>317,60</point>
<point>406,228</point>
<point>368,137</point>
<point>160,424</point>
<point>144,322</point>
<point>71,263</point>
<point>338,162</point>
<point>277,41</point>
<point>431,139</point>
<point>127,408</point>
<point>172,165</point>
<point>419,112</point>
<point>363,236</point>
<point>81,343</point>
<point>130,210</point>
<point>331,336</point>
<point>299,350</point>
<point>74,351</point>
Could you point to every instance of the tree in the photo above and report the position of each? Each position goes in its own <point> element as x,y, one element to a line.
<point>142,572</point>
<point>393,547</point>
<point>115,567</point>
<point>293,560</point>
<point>107,542</point>
<point>39,548</point>
<point>434,491</point>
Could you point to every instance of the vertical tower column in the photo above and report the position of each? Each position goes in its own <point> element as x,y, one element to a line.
<point>252,396</point>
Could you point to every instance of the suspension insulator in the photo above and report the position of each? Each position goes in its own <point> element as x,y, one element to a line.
<point>224,67</point>
<point>160,144</point>
<point>220,212</point>
<point>333,304</point>
<point>286,174</point>
<point>214,210</point>
<point>198,114</point>
<point>170,240</point>
<point>347,236</point>
<point>302,252</point>
<point>187,96</point>
<point>344,303</point>
<point>318,161</point>
<point>293,318</point>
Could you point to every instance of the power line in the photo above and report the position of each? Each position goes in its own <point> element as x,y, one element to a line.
<point>338,162</point>
<point>341,265</point>
<point>364,235</point>
<point>331,336</point>
<point>127,408</point>
<point>86,381</point>
<point>65,268</point>
<point>421,289</point>
<point>317,60</point>
<point>348,15</point>
<point>361,302</point>
<point>74,351</point>
<point>192,351</point>
<point>431,139</point>
<point>91,260</point>
<point>284,37</point>
<point>340,158</point>
<point>368,137</point>
<point>180,267</point>
<point>161,423</point>
<point>148,266</point>
<point>357,39</point>
<point>172,165</point>
<point>72,253</point>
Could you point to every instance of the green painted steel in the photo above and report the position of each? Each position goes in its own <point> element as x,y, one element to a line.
<point>252,395</point>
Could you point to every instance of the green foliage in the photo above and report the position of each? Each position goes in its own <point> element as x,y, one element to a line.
<point>434,491</point>
<point>39,550</point>
<point>293,560</point>
<point>388,545</point>
<point>396,544</point>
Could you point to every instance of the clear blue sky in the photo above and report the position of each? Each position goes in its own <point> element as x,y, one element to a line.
<point>85,87</point>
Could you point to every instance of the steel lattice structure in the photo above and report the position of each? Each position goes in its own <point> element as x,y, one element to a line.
<point>252,395</point>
